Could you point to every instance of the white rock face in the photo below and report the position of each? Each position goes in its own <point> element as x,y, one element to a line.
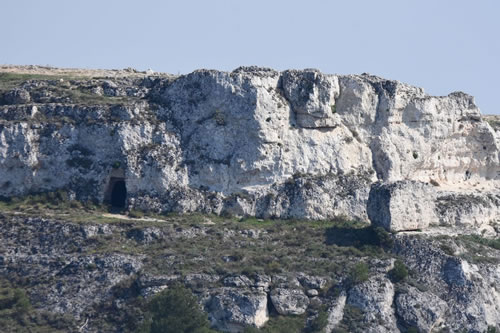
<point>404,205</point>
<point>421,310</point>
<point>292,144</point>
<point>374,298</point>
<point>289,301</point>
<point>232,309</point>
<point>336,313</point>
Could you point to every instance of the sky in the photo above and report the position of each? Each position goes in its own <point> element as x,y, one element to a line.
<point>440,45</point>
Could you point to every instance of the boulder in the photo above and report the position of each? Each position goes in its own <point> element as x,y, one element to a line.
<point>421,310</point>
<point>289,301</point>
<point>237,281</point>
<point>374,299</point>
<point>402,205</point>
<point>232,309</point>
<point>17,96</point>
<point>312,282</point>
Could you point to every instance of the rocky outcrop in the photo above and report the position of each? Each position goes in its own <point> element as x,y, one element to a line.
<point>456,281</point>
<point>420,310</point>
<point>411,205</point>
<point>309,145</point>
<point>404,205</point>
<point>289,301</point>
<point>231,310</point>
<point>336,313</point>
<point>374,299</point>
<point>98,272</point>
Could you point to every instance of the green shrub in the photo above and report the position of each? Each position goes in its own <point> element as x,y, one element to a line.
<point>352,320</point>
<point>319,323</point>
<point>415,155</point>
<point>491,329</point>
<point>493,243</point>
<point>273,268</point>
<point>399,272</point>
<point>14,299</point>
<point>219,117</point>
<point>175,310</point>
<point>358,274</point>
<point>383,238</point>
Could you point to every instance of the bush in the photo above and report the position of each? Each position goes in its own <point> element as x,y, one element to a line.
<point>358,274</point>
<point>399,272</point>
<point>175,310</point>
<point>383,238</point>
<point>319,323</point>
<point>273,268</point>
<point>359,237</point>
<point>491,329</point>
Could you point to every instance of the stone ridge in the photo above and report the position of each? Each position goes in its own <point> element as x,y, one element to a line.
<point>254,141</point>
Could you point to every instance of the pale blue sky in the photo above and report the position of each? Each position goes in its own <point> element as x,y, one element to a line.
<point>440,45</point>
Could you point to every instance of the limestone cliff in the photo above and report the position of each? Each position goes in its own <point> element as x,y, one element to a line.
<point>292,144</point>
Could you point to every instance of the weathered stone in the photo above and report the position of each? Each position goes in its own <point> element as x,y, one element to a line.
<point>17,96</point>
<point>199,280</point>
<point>312,282</point>
<point>145,235</point>
<point>421,310</point>
<point>237,281</point>
<point>312,292</point>
<point>285,281</point>
<point>374,298</point>
<point>335,313</point>
<point>231,309</point>
<point>65,274</point>
<point>468,289</point>
<point>289,301</point>
<point>152,284</point>
<point>263,281</point>
<point>404,205</point>
<point>311,147</point>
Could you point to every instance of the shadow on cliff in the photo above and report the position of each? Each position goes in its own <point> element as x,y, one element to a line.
<point>358,237</point>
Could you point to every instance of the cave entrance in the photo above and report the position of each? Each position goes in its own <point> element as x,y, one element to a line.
<point>117,193</point>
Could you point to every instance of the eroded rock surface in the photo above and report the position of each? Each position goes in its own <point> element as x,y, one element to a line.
<point>289,301</point>
<point>252,142</point>
<point>97,272</point>
<point>231,310</point>
<point>292,144</point>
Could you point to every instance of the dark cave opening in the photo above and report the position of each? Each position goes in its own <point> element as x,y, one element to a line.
<point>118,194</point>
